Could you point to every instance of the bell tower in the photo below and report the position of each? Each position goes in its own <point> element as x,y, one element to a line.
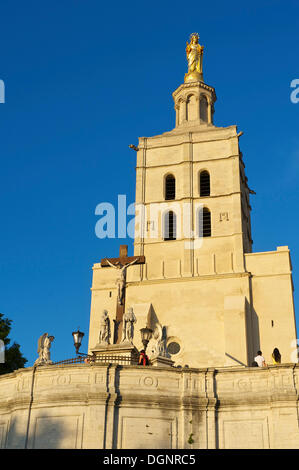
<point>194,104</point>
<point>208,210</point>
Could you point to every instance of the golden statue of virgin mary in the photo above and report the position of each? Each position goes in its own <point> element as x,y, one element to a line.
<point>194,52</point>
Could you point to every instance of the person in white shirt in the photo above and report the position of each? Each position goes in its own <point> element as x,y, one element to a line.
<point>260,360</point>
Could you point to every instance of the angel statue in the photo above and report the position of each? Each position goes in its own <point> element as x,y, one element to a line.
<point>194,52</point>
<point>121,279</point>
<point>157,344</point>
<point>128,326</point>
<point>43,349</point>
<point>104,336</point>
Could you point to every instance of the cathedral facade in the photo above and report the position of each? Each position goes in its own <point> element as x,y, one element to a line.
<point>218,301</point>
<point>194,295</point>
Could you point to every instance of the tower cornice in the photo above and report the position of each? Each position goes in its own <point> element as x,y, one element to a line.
<point>192,85</point>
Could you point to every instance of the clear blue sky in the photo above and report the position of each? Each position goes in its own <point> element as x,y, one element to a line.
<point>86,78</point>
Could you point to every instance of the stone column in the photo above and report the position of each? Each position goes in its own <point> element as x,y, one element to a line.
<point>198,107</point>
<point>184,114</point>
<point>211,414</point>
<point>177,116</point>
<point>109,436</point>
<point>209,112</point>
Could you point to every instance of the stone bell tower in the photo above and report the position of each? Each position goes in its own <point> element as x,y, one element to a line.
<point>205,165</point>
<point>197,277</point>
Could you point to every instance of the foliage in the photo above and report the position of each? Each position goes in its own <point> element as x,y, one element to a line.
<point>13,356</point>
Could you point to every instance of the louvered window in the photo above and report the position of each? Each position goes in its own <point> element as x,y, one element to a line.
<point>204,184</point>
<point>169,226</point>
<point>206,223</point>
<point>169,187</point>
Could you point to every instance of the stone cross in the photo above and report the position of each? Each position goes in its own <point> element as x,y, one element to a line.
<point>121,264</point>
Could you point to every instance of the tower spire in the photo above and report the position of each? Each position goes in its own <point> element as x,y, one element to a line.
<point>194,99</point>
<point>194,52</point>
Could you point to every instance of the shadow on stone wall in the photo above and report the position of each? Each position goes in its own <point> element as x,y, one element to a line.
<point>45,432</point>
<point>253,329</point>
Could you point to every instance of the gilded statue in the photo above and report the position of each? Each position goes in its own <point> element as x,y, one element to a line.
<point>194,52</point>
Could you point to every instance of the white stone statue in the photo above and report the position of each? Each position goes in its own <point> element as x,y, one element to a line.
<point>104,336</point>
<point>128,326</point>
<point>121,280</point>
<point>157,344</point>
<point>43,349</point>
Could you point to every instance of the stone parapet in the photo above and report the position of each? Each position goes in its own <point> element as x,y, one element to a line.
<point>110,406</point>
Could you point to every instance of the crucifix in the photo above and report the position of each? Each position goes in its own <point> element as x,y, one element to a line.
<point>121,264</point>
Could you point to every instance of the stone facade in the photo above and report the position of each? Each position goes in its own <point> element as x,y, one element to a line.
<point>125,407</point>
<point>219,301</point>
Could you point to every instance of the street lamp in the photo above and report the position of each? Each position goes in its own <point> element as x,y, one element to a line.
<point>77,336</point>
<point>146,334</point>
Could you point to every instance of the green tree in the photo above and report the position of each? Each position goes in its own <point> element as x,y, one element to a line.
<point>13,356</point>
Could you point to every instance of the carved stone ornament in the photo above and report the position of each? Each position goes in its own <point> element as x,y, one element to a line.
<point>43,350</point>
<point>104,336</point>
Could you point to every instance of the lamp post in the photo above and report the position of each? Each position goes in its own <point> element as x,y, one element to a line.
<point>146,334</point>
<point>78,336</point>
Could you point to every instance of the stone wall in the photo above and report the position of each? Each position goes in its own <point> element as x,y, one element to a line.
<point>109,406</point>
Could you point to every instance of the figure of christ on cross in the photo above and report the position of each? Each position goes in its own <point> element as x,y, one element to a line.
<point>121,264</point>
